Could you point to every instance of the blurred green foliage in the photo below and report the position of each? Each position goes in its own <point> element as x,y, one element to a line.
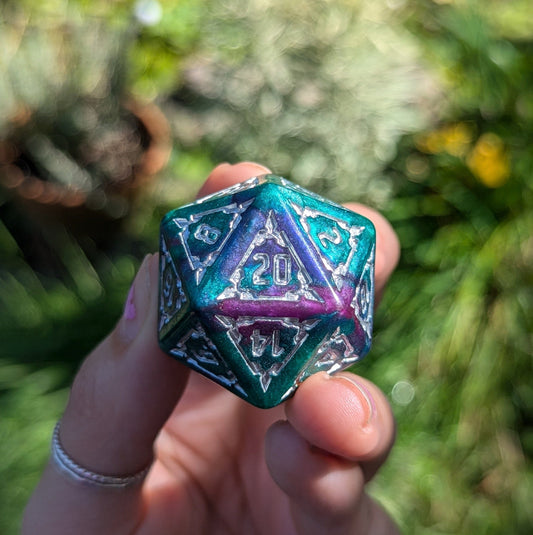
<point>48,326</point>
<point>320,91</point>
<point>452,169</point>
<point>463,291</point>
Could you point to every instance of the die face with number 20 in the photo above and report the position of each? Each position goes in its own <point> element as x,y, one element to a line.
<point>264,284</point>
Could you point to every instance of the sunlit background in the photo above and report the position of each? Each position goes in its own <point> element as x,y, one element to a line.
<point>113,112</point>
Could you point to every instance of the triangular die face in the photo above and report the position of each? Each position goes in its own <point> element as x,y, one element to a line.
<point>196,349</point>
<point>171,296</point>
<point>334,353</point>
<point>266,344</point>
<point>270,269</point>
<point>205,233</point>
<point>334,240</point>
<point>363,301</point>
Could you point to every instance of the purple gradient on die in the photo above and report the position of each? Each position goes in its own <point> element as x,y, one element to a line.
<point>332,301</point>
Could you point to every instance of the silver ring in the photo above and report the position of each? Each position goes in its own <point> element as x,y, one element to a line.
<point>68,466</point>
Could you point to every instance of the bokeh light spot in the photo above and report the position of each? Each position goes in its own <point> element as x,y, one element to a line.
<point>403,392</point>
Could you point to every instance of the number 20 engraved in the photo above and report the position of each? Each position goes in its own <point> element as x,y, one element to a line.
<point>281,269</point>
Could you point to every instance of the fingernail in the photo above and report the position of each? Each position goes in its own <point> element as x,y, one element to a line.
<point>360,397</point>
<point>132,316</point>
<point>130,312</point>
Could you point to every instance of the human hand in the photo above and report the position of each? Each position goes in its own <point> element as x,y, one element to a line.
<point>220,465</point>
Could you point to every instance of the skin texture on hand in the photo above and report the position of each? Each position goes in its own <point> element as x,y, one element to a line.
<point>220,465</point>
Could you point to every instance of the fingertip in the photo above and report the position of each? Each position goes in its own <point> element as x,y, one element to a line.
<point>226,175</point>
<point>343,415</point>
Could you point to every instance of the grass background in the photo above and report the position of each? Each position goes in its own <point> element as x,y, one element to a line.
<point>421,108</point>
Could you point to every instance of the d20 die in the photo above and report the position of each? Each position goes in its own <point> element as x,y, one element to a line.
<point>264,284</point>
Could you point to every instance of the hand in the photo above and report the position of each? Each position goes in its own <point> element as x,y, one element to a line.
<point>221,466</point>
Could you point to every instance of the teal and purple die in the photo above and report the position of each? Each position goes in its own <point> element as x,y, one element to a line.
<point>264,284</point>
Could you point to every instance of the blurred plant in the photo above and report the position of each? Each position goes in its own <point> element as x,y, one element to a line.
<point>456,323</point>
<point>70,132</point>
<point>62,94</point>
<point>47,327</point>
<point>463,458</point>
<point>320,91</point>
<point>170,32</point>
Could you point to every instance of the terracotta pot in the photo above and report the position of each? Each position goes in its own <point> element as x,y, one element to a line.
<point>98,214</point>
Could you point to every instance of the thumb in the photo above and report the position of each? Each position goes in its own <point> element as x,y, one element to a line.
<point>125,390</point>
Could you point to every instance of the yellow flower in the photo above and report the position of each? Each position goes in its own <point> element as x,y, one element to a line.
<point>489,161</point>
<point>453,139</point>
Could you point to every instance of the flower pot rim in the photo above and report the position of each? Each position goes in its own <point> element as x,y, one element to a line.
<point>154,157</point>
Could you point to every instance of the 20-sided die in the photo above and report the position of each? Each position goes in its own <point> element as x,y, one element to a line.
<point>264,284</point>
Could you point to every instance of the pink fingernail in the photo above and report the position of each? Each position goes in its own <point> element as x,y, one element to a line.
<point>365,399</point>
<point>131,320</point>
<point>130,312</point>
